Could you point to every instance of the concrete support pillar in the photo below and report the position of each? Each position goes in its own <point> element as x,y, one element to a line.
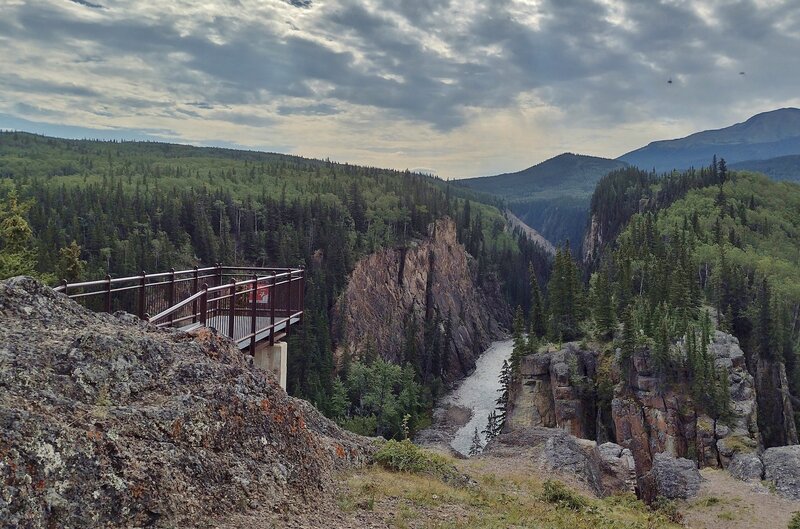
<point>273,358</point>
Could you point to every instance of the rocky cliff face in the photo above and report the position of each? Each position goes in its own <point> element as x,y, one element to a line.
<point>106,421</point>
<point>652,416</point>
<point>432,283</point>
<point>775,404</point>
<point>649,416</point>
<point>556,391</point>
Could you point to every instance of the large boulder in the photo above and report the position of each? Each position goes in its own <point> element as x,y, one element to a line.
<point>782,467</point>
<point>746,466</point>
<point>607,469</point>
<point>106,421</point>
<point>672,478</point>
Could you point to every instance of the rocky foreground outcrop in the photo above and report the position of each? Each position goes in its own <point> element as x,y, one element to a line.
<point>606,469</point>
<point>107,421</point>
<point>432,282</point>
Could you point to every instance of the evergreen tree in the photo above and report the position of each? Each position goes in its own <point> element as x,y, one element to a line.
<point>628,345</point>
<point>492,427</point>
<point>70,265</point>
<point>520,347</point>
<point>501,404</point>
<point>476,447</point>
<point>603,311</point>
<point>16,237</point>
<point>537,314</point>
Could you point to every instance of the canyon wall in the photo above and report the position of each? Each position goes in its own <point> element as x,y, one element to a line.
<point>585,393</point>
<point>429,286</point>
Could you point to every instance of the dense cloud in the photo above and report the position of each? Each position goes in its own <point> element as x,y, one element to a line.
<point>314,74</point>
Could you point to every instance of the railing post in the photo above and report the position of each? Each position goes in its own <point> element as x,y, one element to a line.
<point>232,309</point>
<point>194,291</point>
<point>302,293</point>
<point>273,293</point>
<point>65,285</point>
<point>253,317</point>
<point>219,274</point>
<point>204,305</point>
<point>142,286</point>
<point>171,294</point>
<point>289,303</point>
<point>108,293</point>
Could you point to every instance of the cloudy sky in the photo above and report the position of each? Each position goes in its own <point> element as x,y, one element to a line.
<point>460,87</point>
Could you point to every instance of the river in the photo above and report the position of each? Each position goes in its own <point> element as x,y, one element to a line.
<point>471,401</point>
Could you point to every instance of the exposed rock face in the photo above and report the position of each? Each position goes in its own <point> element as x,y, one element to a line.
<point>739,433</point>
<point>650,418</point>
<point>434,278</point>
<point>670,477</point>
<point>775,405</point>
<point>555,390</point>
<point>107,421</point>
<point>653,417</point>
<point>593,240</point>
<point>782,467</point>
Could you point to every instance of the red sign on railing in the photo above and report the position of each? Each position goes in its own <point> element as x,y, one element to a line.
<point>262,295</point>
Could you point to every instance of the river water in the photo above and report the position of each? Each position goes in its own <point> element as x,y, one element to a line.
<point>476,393</point>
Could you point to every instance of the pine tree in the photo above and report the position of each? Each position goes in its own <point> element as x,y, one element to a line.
<point>501,404</point>
<point>476,447</point>
<point>628,345</point>
<point>603,306</point>
<point>661,357</point>
<point>492,429</point>
<point>520,347</point>
<point>70,264</point>
<point>765,327</point>
<point>537,315</point>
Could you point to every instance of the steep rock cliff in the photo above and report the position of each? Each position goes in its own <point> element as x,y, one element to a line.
<point>775,404</point>
<point>647,414</point>
<point>652,416</point>
<point>555,390</point>
<point>431,283</point>
<point>106,421</point>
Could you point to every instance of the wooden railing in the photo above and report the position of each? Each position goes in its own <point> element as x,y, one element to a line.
<point>247,305</point>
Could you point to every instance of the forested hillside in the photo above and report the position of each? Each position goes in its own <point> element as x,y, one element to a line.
<point>78,209</point>
<point>552,197</point>
<point>674,256</point>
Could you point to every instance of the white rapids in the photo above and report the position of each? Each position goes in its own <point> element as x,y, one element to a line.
<point>478,393</point>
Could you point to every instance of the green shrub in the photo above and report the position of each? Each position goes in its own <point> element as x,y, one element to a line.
<point>794,523</point>
<point>405,456</point>
<point>669,509</point>
<point>558,494</point>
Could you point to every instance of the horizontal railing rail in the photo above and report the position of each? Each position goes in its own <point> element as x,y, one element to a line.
<point>246,304</point>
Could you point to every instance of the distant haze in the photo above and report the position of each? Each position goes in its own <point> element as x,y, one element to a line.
<point>460,88</point>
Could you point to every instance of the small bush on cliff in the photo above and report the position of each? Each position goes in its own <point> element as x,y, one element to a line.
<point>794,523</point>
<point>558,494</point>
<point>405,456</point>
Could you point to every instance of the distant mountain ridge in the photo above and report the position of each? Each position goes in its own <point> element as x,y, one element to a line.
<point>780,168</point>
<point>551,197</point>
<point>766,135</point>
<point>565,170</point>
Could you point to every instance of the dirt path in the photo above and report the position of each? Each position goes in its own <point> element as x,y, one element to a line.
<point>727,503</point>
